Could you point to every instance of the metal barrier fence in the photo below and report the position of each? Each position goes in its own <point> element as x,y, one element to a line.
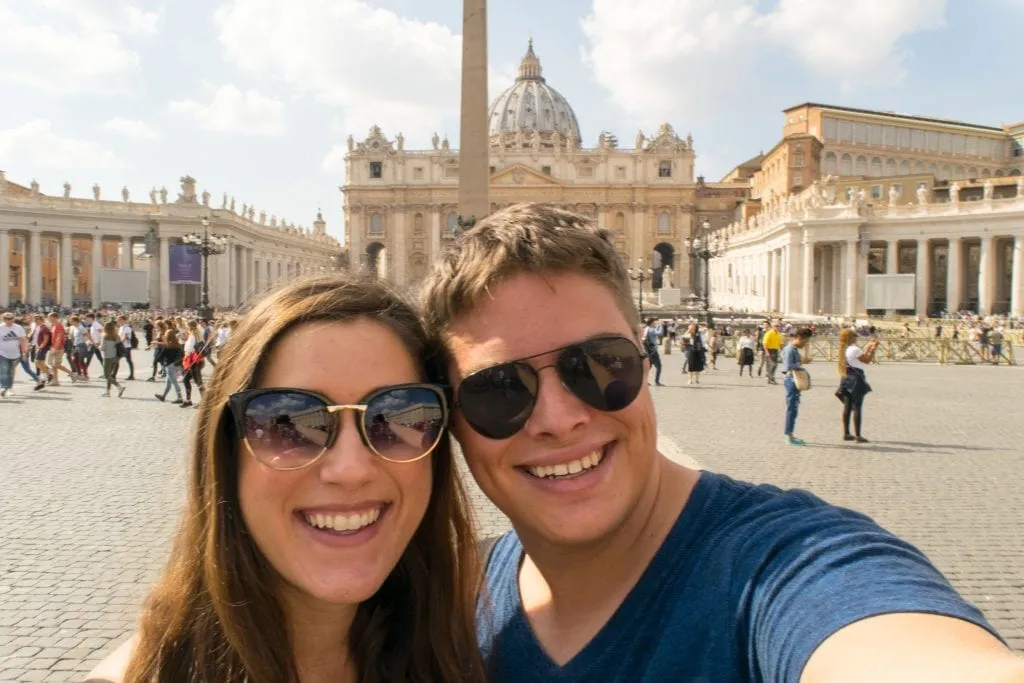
<point>913,350</point>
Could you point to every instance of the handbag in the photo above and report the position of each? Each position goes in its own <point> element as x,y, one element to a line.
<point>801,379</point>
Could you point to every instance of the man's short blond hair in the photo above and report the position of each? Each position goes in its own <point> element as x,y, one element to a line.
<point>524,238</point>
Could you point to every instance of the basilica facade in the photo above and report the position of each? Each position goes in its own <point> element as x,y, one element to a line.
<point>401,205</point>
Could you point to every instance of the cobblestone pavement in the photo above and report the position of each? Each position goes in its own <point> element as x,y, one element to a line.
<point>92,487</point>
<point>943,469</point>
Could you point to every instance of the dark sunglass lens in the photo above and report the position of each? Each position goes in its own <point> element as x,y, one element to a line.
<point>403,424</point>
<point>497,401</point>
<point>287,429</point>
<point>604,373</point>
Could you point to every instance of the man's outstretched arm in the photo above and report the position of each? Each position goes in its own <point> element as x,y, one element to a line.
<point>912,648</point>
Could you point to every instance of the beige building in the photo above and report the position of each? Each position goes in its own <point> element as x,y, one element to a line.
<point>53,249</point>
<point>401,205</point>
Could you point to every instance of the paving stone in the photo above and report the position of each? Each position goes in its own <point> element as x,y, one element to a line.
<point>93,487</point>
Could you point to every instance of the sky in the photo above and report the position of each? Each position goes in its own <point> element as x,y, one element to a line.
<point>256,98</point>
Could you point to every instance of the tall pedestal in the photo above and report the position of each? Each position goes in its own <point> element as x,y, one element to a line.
<point>474,146</point>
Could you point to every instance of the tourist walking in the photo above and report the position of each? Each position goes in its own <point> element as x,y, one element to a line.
<point>651,337</point>
<point>13,349</point>
<point>129,342</point>
<point>41,343</point>
<point>696,351</point>
<point>853,386</point>
<point>772,344</point>
<point>745,353</point>
<point>792,363</point>
<point>170,355</point>
<point>112,350</point>
<point>60,344</point>
<point>192,362</point>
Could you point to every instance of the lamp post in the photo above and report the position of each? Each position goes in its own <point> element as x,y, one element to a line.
<point>704,247</point>
<point>206,245</point>
<point>640,274</point>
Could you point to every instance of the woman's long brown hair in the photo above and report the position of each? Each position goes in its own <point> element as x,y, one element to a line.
<point>847,336</point>
<point>213,616</point>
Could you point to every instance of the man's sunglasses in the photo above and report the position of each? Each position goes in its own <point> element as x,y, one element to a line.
<point>606,373</point>
<point>289,429</point>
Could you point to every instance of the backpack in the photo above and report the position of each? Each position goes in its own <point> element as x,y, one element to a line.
<point>132,339</point>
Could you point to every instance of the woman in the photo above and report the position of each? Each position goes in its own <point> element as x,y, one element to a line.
<point>745,353</point>
<point>853,386</point>
<point>326,536</point>
<point>169,354</point>
<point>693,347</point>
<point>112,349</point>
<point>159,332</point>
<point>193,362</point>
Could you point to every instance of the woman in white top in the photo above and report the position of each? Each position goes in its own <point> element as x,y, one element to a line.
<point>853,386</point>
<point>745,353</point>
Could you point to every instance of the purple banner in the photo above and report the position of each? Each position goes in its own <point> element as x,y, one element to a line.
<point>186,266</point>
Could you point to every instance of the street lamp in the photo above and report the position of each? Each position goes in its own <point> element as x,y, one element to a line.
<point>639,274</point>
<point>206,245</point>
<point>704,247</point>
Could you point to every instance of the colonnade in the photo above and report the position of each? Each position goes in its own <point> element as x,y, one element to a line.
<point>806,274</point>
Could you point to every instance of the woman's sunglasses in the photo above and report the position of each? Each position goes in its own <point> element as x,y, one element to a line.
<point>606,373</point>
<point>289,429</point>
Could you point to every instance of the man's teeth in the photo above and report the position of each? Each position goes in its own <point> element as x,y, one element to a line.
<point>568,468</point>
<point>352,522</point>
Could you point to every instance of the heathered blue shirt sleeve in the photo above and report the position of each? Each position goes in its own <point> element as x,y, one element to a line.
<point>830,567</point>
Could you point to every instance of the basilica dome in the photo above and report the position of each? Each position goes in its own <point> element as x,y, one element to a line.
<point>532,109</point>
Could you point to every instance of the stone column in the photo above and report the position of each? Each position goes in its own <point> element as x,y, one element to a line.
<point>165,272</point>
<point>808,277</point>
<point>1016,277</point>
<point>399,248</point>
<point>924,277</point>
<point>97,267</point>
<point>986,274</point>
<point>682,276</point>
<point>5,268</point>
<point>474,145</point>
<point>892,263</point>
<point>852,261</point>
<point>789,267</point>
<point>773,280</point>
<point>34,272</point>
<point>126,253</point>
<point>954,275</point>
<point>356,248</point>
<point>67,271</point>
<point>435,233</point>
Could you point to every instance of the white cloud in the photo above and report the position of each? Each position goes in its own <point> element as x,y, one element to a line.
<point>662,58</point>
<point>37,145</point>
<point>233,111</point>
<point>379,67</point>
<point>138,130</point>
<point>87,56</point>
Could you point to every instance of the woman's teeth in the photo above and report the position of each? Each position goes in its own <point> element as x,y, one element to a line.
<point>353,522</point>
<point>568,469</point>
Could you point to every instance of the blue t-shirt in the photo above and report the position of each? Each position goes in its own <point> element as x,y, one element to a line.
<point>750,580</point>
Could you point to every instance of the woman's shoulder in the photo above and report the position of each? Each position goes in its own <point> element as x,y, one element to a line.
<point>111,669</point>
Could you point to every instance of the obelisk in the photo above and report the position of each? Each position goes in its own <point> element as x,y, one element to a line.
<point>474,152</point>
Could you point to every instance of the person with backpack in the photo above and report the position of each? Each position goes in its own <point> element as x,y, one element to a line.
<point>651,337</point>
<point>129,341</point>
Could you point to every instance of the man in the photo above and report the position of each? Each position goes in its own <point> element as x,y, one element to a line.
<point>772,343</point>
<point>42,341</point>
<point>94,339</point>
<point>623,565</point>
<point>651,338</point>
<point>13,350</point>
<point>127,336</point>
<point>791,362</point>
<point>995,340</point>
<point>56,358</point>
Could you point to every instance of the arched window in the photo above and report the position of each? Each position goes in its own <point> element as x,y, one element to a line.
<point>862,166</point>
<point>890,167</point>
<point>453,223</point>
<point>831,165</point>
<point>664,223</point>
<point>620,221</point>
<point>904,167</point>
<point>846,165</point>
<point>1015,172</point>
<point>959,173</point>
<point>376,224</point>
<point>417,224</point>
<point>876,167</point>
<point>972,172</point>
<point>919,167</point>
<point>944,172</point>
<point>986,173</point>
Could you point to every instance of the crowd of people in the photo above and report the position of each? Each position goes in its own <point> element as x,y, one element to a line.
<point>49,346</point>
